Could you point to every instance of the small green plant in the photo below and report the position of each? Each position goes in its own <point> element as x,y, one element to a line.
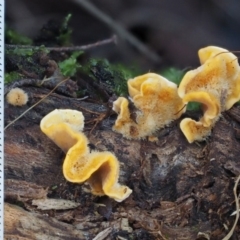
<point>70,66</point>
<point>122,75</point>
<point>11,77</point>
<point>193,106</point>
<point>64,37</point>
<point>15,38</point>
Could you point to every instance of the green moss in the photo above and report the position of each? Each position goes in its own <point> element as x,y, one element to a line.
<point>11,77</point>
<point>26,52</point>
<point>70,66</point>
<point>22,52</point>
<point>24,60</point>
<point>122,75</point>
<point>112,76</point>
<point>13,37</point>
<point>64,37</point>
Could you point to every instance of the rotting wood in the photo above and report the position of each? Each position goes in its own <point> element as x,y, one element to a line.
<point>20,224</point>
<point>176,186</point>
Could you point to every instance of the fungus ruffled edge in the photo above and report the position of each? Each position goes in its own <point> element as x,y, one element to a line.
<point>99,169</point>
<point>157,102</point>
<point>215,84</point>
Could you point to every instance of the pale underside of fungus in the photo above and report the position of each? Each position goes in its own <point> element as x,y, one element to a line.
<point>99,169</point>
<point>157,103</point>
<point>215,84</point>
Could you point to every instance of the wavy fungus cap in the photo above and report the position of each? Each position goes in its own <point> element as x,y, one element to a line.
<point>215,84</point>
<point>156,102</point>
<point>193,130</point>
<point>99,169</point>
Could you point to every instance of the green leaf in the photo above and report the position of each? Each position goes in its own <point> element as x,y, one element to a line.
<point>193,106</point>
<point>70,66</point>
<point>11,77</point>
<point>173,74</point>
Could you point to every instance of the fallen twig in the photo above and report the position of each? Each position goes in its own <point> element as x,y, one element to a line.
<point>113,39</point>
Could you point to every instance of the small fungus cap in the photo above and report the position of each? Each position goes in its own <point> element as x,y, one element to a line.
<point>120,106</point>
<point>73,118</point>
<point>155,102</point>
<point>231,60</point>
<point>208,77</point>
<point>193,130</point>
<point>17,97</point>
<point>215,84</point>
<point>139,84</point>
<point>58,122</point>
<point>206,53</point>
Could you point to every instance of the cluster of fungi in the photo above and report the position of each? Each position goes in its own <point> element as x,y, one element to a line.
<point>215,85</point>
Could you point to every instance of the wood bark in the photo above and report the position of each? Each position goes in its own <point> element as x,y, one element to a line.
<point>180,190</point>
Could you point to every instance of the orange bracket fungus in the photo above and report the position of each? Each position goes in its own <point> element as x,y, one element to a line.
<point>215,84</point>
<point>99,169</point>
<point>157,102</point>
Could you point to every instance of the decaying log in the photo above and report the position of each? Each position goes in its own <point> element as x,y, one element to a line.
<point>20,224</point>
<point>180,190</point>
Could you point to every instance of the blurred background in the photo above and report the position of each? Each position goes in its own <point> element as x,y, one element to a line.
<point>170,31</point>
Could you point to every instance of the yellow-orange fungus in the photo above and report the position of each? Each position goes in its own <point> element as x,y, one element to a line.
<point>215,84</point>
<point>99,169</point>
<point>157,103</point>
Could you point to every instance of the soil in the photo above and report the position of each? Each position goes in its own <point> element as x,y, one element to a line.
<point>180,190</point>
